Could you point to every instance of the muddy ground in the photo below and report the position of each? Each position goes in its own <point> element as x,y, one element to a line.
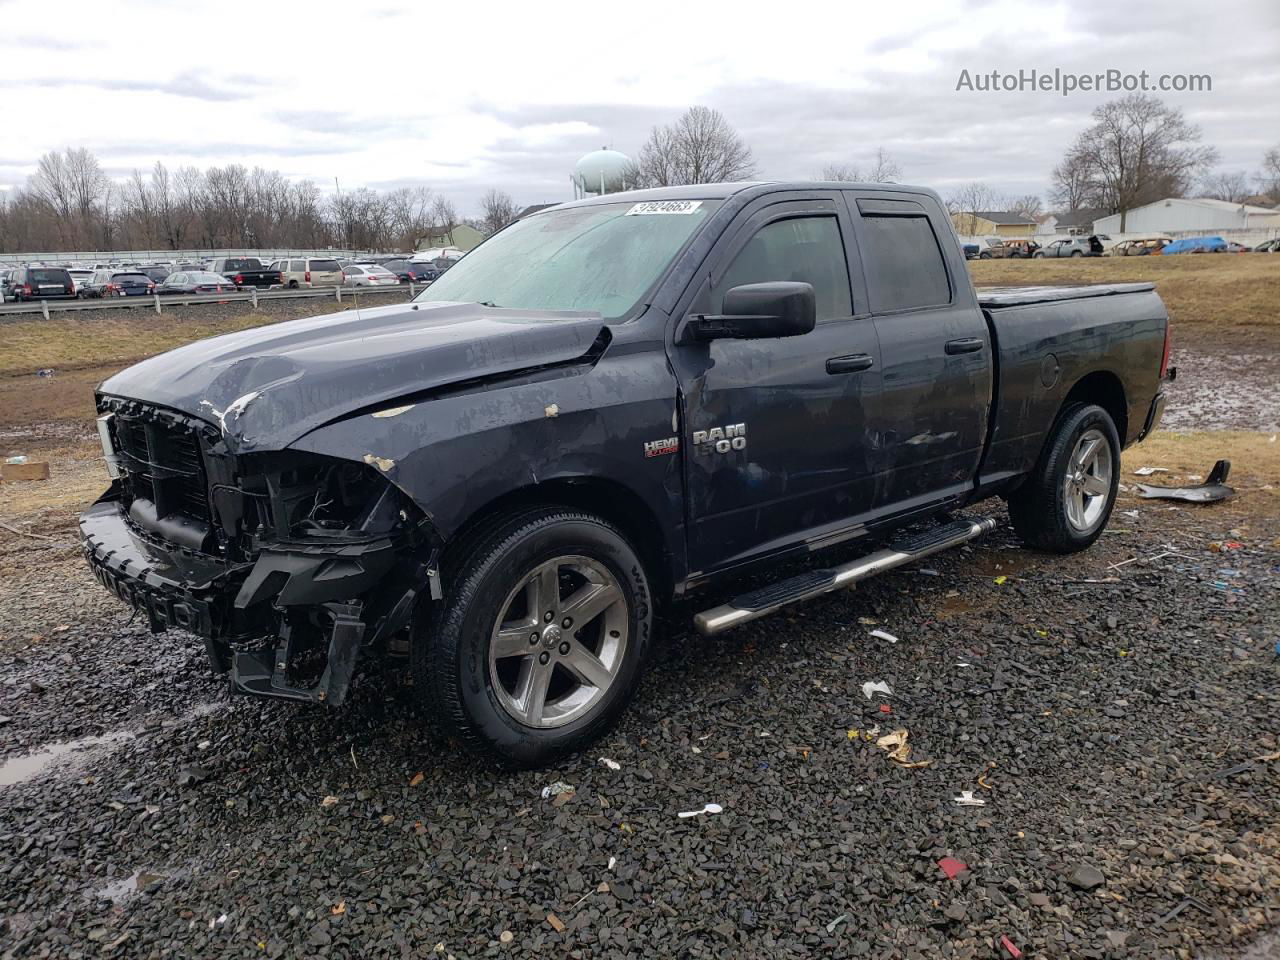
<point>1117,712</point>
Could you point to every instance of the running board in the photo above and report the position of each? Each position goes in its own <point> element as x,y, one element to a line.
<point>814,583</point>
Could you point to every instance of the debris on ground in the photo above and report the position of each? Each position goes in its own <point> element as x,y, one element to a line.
<point>1148,471</point>
<point>556,789</point>
<point>1013,951</point>
<point>417,779</point>
<point>1086,877</point>
<point>329,801</point>
<point>1212,490</point>
<point>895,744</point>
<point>967,799</point>
<point>884,635</point>
<point>951,867</point>
<point>611,764</point>
<point>556,923</point>
<point>876,686</point>
<point>709,808</point>
<point>506,936</point>
<point>831,927</point>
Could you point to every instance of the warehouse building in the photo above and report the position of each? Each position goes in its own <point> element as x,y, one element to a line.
<point>1176,215</point>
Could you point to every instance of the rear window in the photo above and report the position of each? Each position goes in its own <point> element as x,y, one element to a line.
<point>50,276</point>
<point>904,263</point>
<point>243,263</point>
<point>323,265</point>
<point>130,278</point>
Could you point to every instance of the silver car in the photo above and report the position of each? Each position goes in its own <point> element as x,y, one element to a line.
<point>1071,247</point>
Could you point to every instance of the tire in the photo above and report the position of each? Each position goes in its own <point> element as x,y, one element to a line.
<point>1038,256</point>
<point>1077,253</point>
<point>483,697</point>
<point>293,284</point>
<point>984,256</point>
<point>1052,510</point>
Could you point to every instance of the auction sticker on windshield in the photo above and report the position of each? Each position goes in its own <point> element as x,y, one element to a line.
<point>664,206</point>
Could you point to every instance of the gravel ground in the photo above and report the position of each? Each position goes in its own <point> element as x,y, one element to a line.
<point>1113,730</point>
<point>1120,723</point>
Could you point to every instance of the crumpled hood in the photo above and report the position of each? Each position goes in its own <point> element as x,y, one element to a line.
<point>268,386</point>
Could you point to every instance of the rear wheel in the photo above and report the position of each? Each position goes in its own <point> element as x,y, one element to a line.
<point>1066,502</point>
<point>1077,253</point>
<point>541,638</point>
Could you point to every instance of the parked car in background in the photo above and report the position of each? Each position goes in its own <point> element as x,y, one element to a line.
<point>128,283</point>
<point>971,251</point>
<point>195,281</point>
<point>1195,245</point>
<point>81,277</point>
<point>1233,247</point>
<point>155,271</point>
<point>1011,250</point>
<point>369,275</point>
<point>246,272</point>
<point>309,272</point>
<point>1268,246</point>
<point>409,272</point>
<point>1140,247</point>
<point>40,283</point>
<point>1071,247</point>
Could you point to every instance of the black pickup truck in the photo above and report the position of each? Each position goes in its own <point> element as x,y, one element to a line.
<point>247,272</point>
<point>607,407</point>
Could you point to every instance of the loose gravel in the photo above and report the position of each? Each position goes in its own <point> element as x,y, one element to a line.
<point>1122,735</point>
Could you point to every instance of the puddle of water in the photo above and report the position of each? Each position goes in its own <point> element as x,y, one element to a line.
<point>18,769</point>
<point>117,891</point>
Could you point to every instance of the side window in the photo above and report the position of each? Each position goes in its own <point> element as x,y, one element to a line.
<point>904,263</point>
<point>803,250</point>
<point>296,266</point>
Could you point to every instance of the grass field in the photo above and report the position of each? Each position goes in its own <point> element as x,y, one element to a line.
<point>1211,291</point>
<point>1209,297</point>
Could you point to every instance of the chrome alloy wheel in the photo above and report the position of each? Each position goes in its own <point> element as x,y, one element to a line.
<point>1087,485</point>
<point>559,642</point>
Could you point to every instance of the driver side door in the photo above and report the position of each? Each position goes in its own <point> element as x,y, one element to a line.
<point>777,432</point>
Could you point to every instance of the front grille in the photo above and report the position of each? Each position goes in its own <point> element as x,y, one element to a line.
<point>164,479</point>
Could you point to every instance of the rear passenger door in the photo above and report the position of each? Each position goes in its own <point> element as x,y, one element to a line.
<point>936,353</point>
<point>775,430</point>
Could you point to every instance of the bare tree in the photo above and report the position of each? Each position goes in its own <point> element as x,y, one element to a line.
<point>1137,151</point>
<point>968,201</point>
<point>1269,178</point>
<point>497,209</point>
<point>883,169</point>
<point>1072,183</point>
<point>1232,187</point>
<point>700,147</point>
<point>1028,206</point>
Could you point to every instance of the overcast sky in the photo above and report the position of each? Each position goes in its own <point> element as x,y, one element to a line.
<point>464,96</point>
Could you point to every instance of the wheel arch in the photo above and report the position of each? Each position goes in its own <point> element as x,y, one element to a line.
<point>1104,388</point>
<point>608,499</point>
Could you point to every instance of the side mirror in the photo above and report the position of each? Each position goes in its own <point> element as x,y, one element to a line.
<point>757,311</point>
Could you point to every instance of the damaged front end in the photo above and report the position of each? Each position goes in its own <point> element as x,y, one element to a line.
<point>290,565</point>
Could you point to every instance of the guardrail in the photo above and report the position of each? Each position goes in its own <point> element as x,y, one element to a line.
<point>158,303</point>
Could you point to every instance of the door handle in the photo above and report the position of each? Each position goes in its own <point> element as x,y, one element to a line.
<point>964,345</point>
<point>850,364</point>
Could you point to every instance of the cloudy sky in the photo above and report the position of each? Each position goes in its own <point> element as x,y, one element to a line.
<point>463,96</point>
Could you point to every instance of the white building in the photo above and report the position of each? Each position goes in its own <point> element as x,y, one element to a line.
<point>1199,216</point>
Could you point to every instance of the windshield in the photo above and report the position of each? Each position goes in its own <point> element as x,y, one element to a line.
<point>600,258</point>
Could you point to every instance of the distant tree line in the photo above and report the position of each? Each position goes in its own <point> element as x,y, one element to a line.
<point>68,203</point>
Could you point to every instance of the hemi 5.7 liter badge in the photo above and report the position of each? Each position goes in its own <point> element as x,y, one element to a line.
<point>660,448</point>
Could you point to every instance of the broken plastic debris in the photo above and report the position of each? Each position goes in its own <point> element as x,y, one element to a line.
<point>709,808</point>
<point>884,635</point>
<point>1211,491</point>
<point>876,686</point>
<point>555,789</point>
<point>330,801</point>
<point>1148,471</point>
<point>1001,580</point>
<point>1014,952</point>
<point>951,866</point>
<point>611,764</point>
<point>831,927</point>
<point>556,923</point>
<point>967,799</point>
<point>382,463</point>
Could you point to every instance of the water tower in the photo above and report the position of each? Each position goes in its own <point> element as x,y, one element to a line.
<point>599,172</point>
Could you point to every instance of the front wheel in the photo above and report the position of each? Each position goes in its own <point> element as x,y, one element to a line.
<point>1064,505</point>
<point>541,638</point>
<point>1038,256</point>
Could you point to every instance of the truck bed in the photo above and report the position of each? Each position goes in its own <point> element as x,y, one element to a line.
<point>996,297</point>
